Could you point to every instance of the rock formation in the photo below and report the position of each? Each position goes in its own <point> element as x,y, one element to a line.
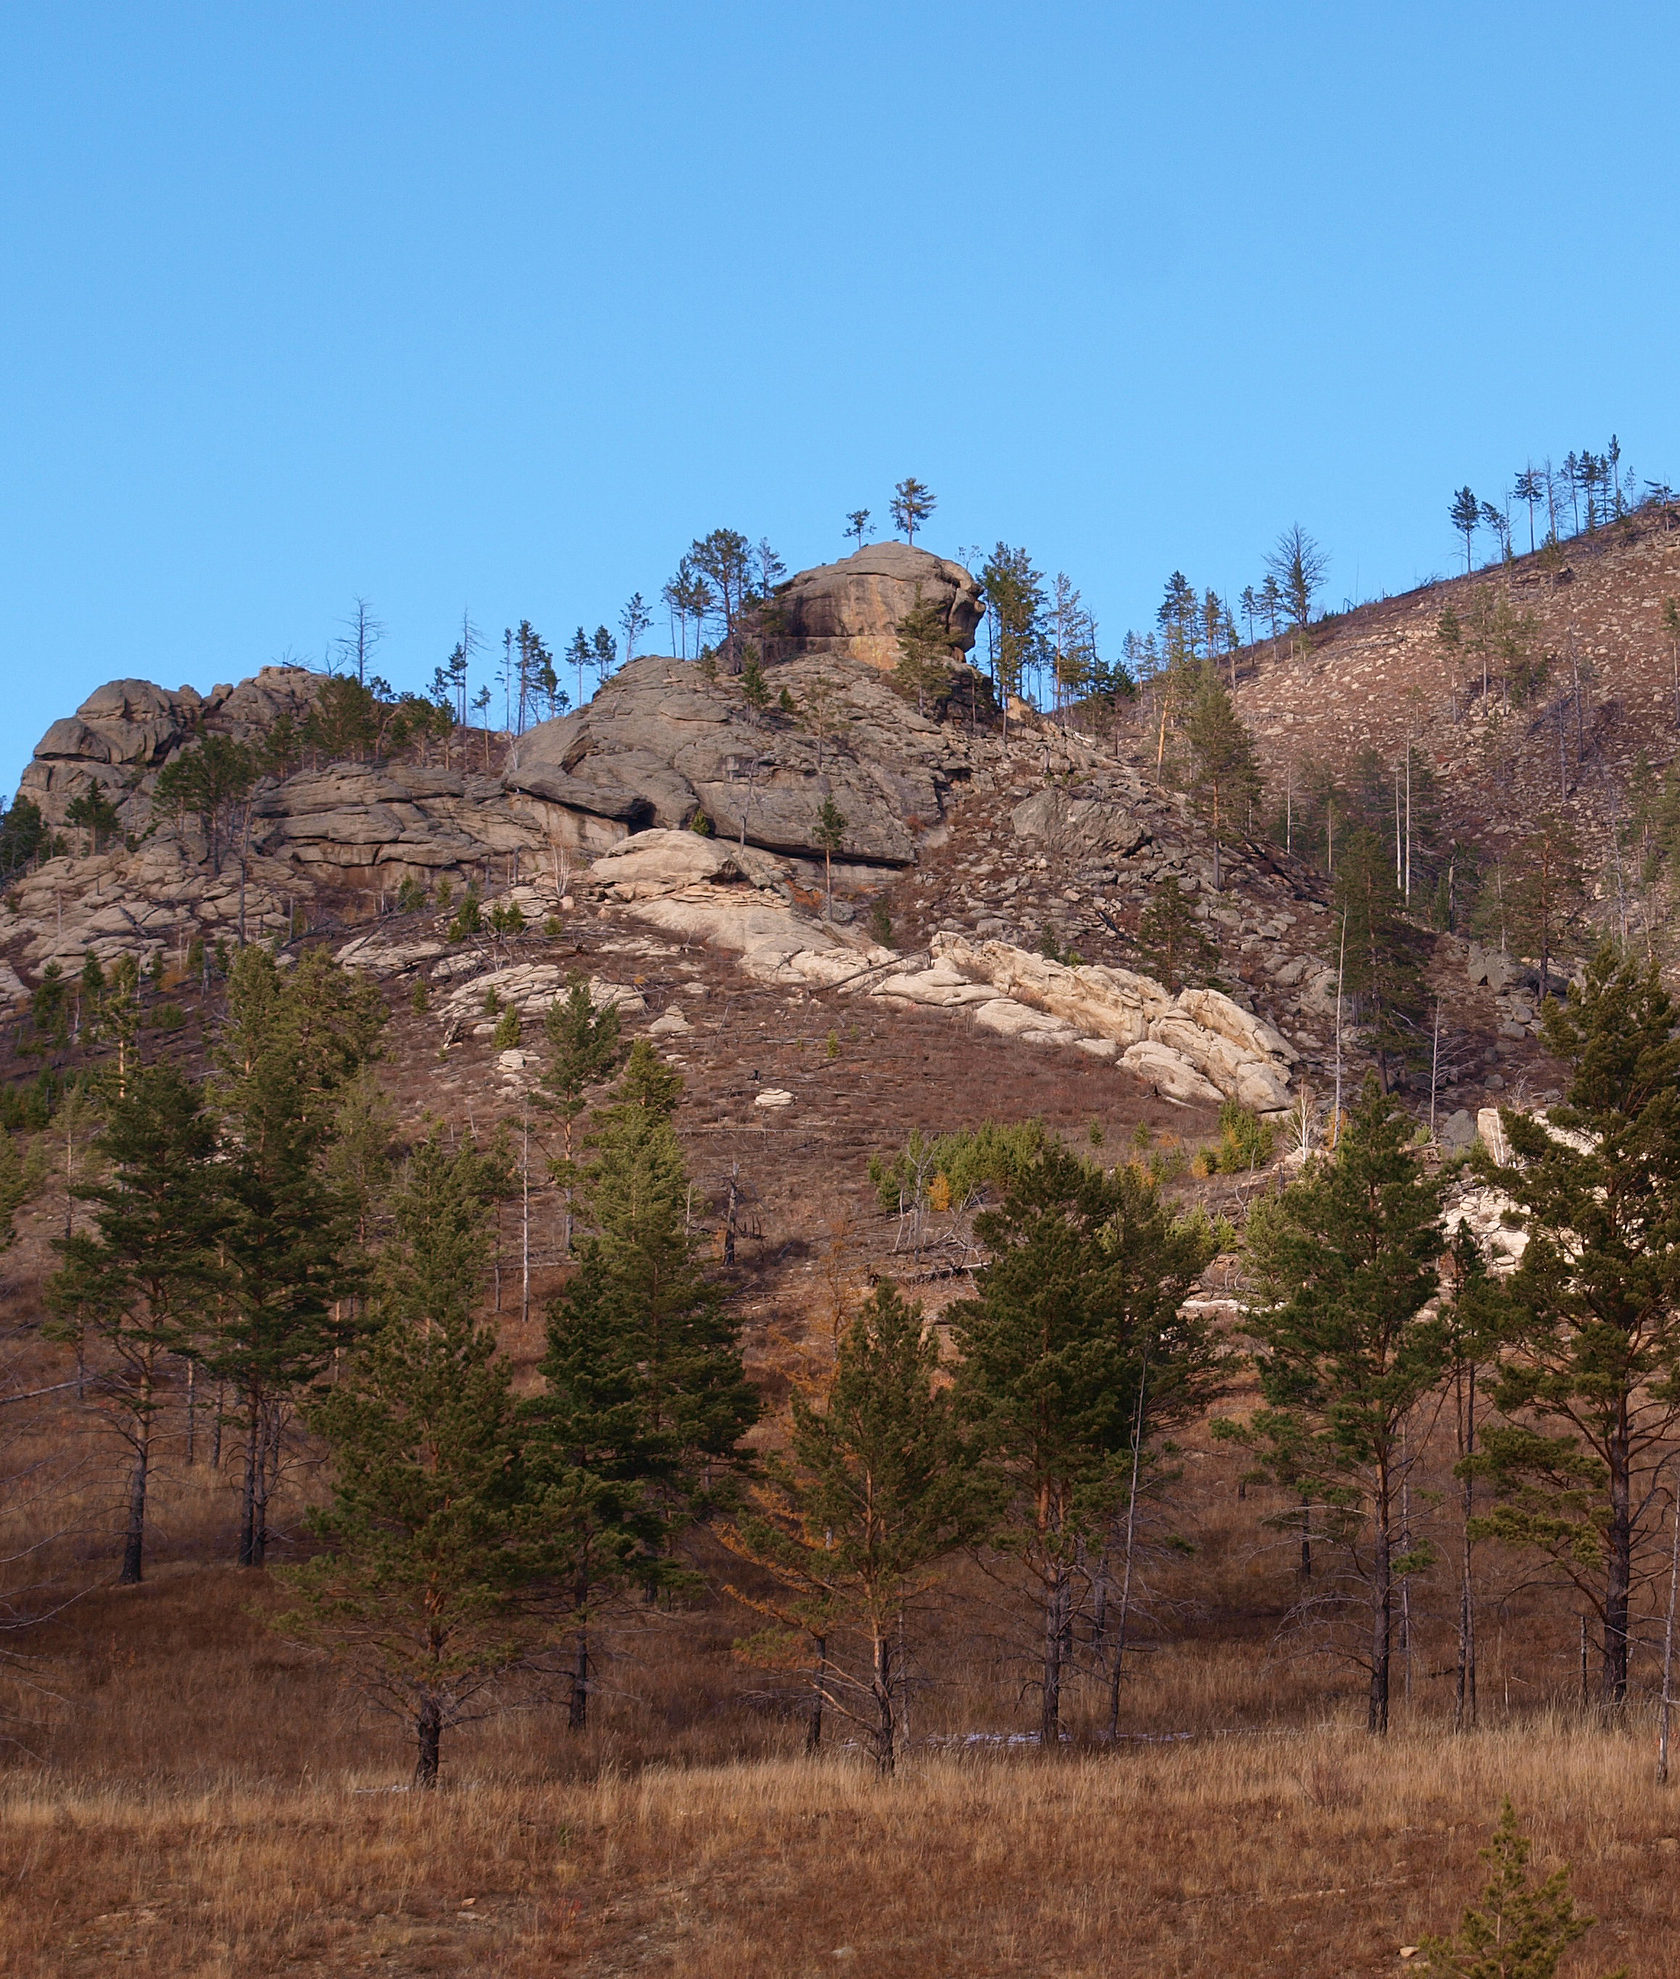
<point>125,731</point>
<point>852,609</point>
<point>661,744</point>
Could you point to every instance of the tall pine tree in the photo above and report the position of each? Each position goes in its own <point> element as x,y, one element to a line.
<point>429,1590</point>
<point>1076,1315</point>
<point>1347,1349</point>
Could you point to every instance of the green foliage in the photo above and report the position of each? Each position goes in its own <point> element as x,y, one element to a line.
<point>291,1043</point>
<point>208,780</point>
<point>506,1034</point>
<point>879,1487</point>
<point>1050,947</point>
<point>957,1170</point>
<point>879,923</point>
<point>1221,771</point>
<point>411,896</point>
<point>700,825</point>
<point>343,720</point>
<point>755,689</point>
<point>1172,946</point>
<point>1594,1352</point>
<point>23,831</point>
<point>469,916</point>
<point>912,503</point>
<point>420,997</point>
<point>435,1542</point>
<point>646,1399</point>
<point>923,670</point>
<point>1075,1352</point>
<point>1014,594</point>
<point>831,827</point>
<point>21,1174</point>
<point>1245,1141</point>
<point>141,1281</point>
<point>1345,1270</point>
<point>506,918</point>
<point>1376,951</point>
<point>1522,1928</point>
<point>93,812</point>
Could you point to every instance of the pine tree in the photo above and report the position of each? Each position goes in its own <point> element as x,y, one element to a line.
<point>290,1045</point>
<point>1014,593</point>
<point>1596,1299</point>
<point>436,1548</point>
<point>21,1174</point>
<point>139,1284</point>
<point>646,1396</point>
<point>879,1486</point>
<point>585,1049</point>
<point>857,523</point>
<point>831,836</point>
<point>1522,1929</point>
<point>1223,774</point>
<point>1545,890</point>
<point>1466,517</point>
<point>1297,565</point>
<point>1172,944</point>
<point>1375,953</point>
<point>924,653</point>
<point>1345,1269</point>
<point>1072,1346</point>
<point>912,503</point>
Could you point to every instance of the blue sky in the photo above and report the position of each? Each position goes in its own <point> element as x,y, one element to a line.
<point>497,306</point>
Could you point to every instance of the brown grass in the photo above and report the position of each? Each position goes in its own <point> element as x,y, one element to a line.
<point>1316,1853</point>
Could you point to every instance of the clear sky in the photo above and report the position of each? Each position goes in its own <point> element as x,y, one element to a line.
<point>498,305</point>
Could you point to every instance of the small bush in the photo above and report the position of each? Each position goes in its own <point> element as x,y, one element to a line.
<point>422,997</point>
<point>507,1031</point>
<point>880,924</point>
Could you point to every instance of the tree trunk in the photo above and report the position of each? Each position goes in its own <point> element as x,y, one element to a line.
<point>1382,1611</point>
<point>577,1709</point>
<point>134,1539</point>
<point>428,1726</point>
<point>1055,1631</point>
<point>814,1724</point>
<point>1618,1547</point>
<point>881,1685</point>
<point>253,1530</point>
<point>1464,1696</point>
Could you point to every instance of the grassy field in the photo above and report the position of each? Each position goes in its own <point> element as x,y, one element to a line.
<point>190,1797</point>
<point>1315,1853</point>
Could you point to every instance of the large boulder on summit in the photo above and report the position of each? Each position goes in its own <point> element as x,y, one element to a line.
<point>852,608</point>
<point>661,744</point>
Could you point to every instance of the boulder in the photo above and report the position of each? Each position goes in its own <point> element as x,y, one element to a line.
<point>1080,825</point>
<point>1215,1012</point>
<point>1020,1020</point>
<point>1490,1131</point>
<point>649,864</point>
<point>1102,1002</point>
<point>1457,1132</point>
<point>660,743</point>
<point>852,609</point>
<point>1173,1078</point>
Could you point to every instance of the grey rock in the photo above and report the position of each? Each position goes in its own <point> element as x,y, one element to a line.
<point>852,609</point>
<point>1080,824</point>
<point>660,743</point>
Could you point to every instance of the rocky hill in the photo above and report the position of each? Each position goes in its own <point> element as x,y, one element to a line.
<point>1561,680</point>
<point>979,915</point>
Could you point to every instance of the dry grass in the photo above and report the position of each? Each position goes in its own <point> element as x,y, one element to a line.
<point>1314,1853</point>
